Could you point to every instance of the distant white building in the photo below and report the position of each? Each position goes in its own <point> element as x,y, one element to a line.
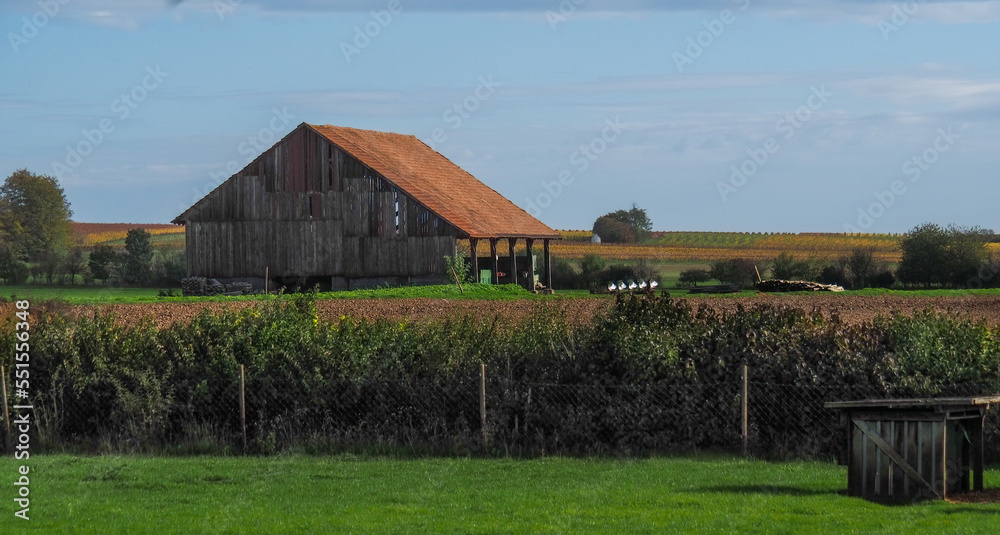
<point>595,239</point>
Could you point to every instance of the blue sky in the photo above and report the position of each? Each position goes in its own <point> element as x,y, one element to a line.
<point>724,115</point>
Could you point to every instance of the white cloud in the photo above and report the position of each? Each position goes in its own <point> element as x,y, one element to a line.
<point>919,91</point>
<point>128,14</point>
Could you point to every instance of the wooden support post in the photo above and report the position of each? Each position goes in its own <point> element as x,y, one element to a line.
<point>267,274</point>
<point>531,265</point>
<point>474,252</point>
<point>6,409</point>
<point>944,458</point>
<point>965,458</point>
<point>978,453</point>
<point>744,409</point>
<point>512,245</point>
<point>495,260</point>
<point>548,266</point>
<point>243,406</point>
<point>482,404</point>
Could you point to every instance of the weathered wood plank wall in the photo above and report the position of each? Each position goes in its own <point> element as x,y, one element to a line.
<point>306,208</point>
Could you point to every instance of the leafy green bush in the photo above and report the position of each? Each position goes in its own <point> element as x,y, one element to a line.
<point>456,267</point>
<point>651,375</point>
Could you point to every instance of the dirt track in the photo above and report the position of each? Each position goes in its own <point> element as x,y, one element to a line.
<point>852,309</point>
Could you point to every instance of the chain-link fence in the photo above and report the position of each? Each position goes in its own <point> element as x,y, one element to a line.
<point>791,420</point>
<point>475,413</point>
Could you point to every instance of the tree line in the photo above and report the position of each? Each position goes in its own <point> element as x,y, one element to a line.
<point>932,257</point>
<point>37,242</point>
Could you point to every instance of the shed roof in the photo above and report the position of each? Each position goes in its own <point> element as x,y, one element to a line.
<point>436,182</point>
<point>915,403</point>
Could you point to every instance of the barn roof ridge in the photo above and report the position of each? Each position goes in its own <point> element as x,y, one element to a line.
<point>431,179</point>
<point>465,210</point>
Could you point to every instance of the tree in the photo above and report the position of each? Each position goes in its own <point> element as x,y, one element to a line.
<point>624,226</point>
<point>692,277</point>
<point>50,261</point>
<point>739,271</point>
<point>12,268</point>
<point>564,275</point>
<point>862,267</point>
<point>73,264</point>
<point>613,231</point>
<point>924,251</point>
<point>967,254</point>
<point>172,268</point>
<point>935,255</point>
<point>102,261</point>
<point>35,214</point>
<point>138,256</point>
<point>592,270</point>
<point>834,274</point>
<point>786,267</point>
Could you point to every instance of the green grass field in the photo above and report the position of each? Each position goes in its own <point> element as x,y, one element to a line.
<point>97,295</point>
<point>299,494</point>
<point>80,295</point>
<point>94,295</point>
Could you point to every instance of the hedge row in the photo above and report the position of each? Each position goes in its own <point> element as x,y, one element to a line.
<point>653,375</point>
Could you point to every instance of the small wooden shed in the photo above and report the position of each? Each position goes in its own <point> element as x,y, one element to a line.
<point>904,450</point>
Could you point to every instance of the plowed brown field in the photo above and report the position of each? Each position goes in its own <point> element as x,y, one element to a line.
<point>852,309</point>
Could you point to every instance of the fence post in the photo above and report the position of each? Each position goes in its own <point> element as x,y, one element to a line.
<point>744,392</point>
<point>243,407</point>
<point>482,403</point>
<point>6,410</point>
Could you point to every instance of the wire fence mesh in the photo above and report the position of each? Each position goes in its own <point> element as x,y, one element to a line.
<point>311,413</point>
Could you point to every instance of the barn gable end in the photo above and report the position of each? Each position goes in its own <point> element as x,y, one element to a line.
<point>346,205</point>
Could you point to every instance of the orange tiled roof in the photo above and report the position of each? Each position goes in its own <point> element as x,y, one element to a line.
<point>434,181</point>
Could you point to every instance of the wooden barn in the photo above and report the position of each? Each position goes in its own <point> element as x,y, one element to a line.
<point>348,208</point>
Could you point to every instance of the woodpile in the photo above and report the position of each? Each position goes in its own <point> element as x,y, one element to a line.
<point>796,286</point>
<point>239,288</point>
<point>193,286</point>
<point>200,286</point>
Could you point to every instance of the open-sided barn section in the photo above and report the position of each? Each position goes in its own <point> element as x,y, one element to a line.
<point>352,208</point>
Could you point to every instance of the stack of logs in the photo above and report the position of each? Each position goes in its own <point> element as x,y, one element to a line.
<point>796,286</point>
<point>199,286</point>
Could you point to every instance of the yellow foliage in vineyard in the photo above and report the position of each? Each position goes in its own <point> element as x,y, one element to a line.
<point>710,246</point>
<point>571,250</point>
<point>94,233</point>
